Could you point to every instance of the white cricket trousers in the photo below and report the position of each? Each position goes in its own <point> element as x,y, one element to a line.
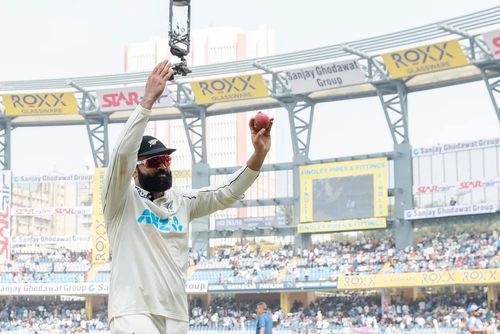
<point>147,324</point>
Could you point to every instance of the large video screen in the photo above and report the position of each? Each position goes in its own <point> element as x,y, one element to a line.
<point>340,198</point>
<point>341,191</point>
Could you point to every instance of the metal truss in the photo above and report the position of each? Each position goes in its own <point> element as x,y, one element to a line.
<point>478,52</point>
<point>5,131</point>
<point>374,45</point>
<point>194,120</point>
<point>184,95</point>
<point>300,112</point>
<point>97,129</point>
<point>394,99</point>
<point>263,202</point>
<point>375,70</point>
<point>96,123</point>
<point>246,233</point>
<point>264,168</point>
<point>393,96</point>
<point>474,48</point>
<point>290,165</point>
<point>86,101</point>
<point>404,233</point>
<point>491,77</point>
<point>277,84</point>
<point>300,116</point>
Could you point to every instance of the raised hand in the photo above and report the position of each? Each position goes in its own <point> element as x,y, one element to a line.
<point>156,83</point>
<point>261,139</point>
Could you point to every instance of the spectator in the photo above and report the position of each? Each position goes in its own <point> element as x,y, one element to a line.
<point>474,323</point>
<point>264,319</point>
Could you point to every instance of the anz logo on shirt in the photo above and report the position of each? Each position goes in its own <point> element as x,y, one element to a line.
<point>165,225</point>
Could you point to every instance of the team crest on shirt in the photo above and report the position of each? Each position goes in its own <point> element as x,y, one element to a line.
<point>169,206</point>
<point>164,225</point>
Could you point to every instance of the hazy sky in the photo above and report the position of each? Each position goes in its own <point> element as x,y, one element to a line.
<point>64,38</point>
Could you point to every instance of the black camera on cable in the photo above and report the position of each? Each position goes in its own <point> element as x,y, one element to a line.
<point>181,68</point>
<point>180,34</point>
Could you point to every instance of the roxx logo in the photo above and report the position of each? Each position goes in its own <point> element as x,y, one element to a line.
<point>444,277</point>
<point>359,281</point>
<point>50,100</point>
<point>485,275</point>
<point>165,225</point>
<point>421,55</point>
<point>226,85</point>
<point>100,252</point>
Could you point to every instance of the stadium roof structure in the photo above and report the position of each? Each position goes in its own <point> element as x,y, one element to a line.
<point>461,27</point>
<point>482,66</point>
<point>392,92</point>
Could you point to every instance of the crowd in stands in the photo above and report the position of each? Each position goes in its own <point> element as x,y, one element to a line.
<point>431,253</point>
<point>69,317</point>
<point>223,314</point>
<point>245,264</point>
<point>351,311</point>
<point>325,261</point>
<point>46,267</point>
<point>463,251</point>
<point>448,310</point>
<point>348,311</point>
<point>253,264</point>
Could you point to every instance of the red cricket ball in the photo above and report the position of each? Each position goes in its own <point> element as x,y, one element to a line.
<point>261,121</point>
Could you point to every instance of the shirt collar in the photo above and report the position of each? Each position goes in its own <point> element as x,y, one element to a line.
<point>144,193</point>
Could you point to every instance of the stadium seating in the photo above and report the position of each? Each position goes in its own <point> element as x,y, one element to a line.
<point>325,261</point>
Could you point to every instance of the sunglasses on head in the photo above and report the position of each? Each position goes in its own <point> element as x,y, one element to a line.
<point>156,161</point>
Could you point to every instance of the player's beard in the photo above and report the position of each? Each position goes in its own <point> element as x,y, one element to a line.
<point>158,182</point>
